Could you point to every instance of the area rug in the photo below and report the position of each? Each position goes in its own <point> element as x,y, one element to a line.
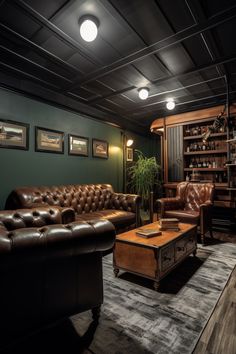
<point>137,319</point>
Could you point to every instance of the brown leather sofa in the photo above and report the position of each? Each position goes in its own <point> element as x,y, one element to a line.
<point>193,204</point>
<point>89,202</point>
<point>48,271</point>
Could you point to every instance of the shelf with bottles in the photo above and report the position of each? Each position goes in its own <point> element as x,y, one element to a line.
<point>198,129</point>
<point>206,162</point>
<point>222,151</point>
<point>217,146</point>
<point>205,169</point>
<point>213,135</point>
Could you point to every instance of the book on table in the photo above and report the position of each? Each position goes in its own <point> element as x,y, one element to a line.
<point>169,224</point>
<point>146,233</point>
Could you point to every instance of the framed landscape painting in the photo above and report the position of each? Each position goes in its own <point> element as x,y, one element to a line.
<point>78,145</point>
<point>100,148</point>
<point>49,140</point>
<point>14,135</point>
<point>129,154</point>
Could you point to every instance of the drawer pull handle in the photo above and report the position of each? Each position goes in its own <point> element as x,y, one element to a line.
<point>180,248</point>
<point>167,258</point>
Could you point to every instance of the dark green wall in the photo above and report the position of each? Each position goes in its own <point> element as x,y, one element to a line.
<point>22,168</point>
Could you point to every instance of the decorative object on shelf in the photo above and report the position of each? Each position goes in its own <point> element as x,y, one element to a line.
<point>218,124</point>
<point>14,135</point>
<point>49,140</point>
<point>78,145</point>
<point>100,148</point>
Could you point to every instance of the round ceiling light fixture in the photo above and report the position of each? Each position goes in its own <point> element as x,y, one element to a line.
<point>88,28</point>
<point>170,104</point>
<point>143,93</point>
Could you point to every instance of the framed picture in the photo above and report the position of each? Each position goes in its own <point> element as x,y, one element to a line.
<point>100,148</point>
<point>48,140</point>
<point>77,145</point>
<point>14,135</point>
<point>129,154</point>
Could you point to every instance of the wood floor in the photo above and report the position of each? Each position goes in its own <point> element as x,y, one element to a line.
<point>219,336</point>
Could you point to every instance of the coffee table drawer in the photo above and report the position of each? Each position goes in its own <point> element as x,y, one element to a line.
<point>167,258</point>
<point>180,249</point>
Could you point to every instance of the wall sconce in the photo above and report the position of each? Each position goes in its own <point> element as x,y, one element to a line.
<point>88,27</point>
<point>143,93</point>
<point>129,142</point>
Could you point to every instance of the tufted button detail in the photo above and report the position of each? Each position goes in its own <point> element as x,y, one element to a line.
<point>35,213</point>
<point>51,211</point>
<point>16,215</point>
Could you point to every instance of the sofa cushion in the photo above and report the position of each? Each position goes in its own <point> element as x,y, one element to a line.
<point>117,217</point>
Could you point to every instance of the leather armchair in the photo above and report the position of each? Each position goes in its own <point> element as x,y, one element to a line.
<point>48,271</point>
<point>193,204</point>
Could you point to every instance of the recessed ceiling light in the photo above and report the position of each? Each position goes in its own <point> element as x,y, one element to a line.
<point>170,104</point>
<point>143,93</point>
<point>88,28</point>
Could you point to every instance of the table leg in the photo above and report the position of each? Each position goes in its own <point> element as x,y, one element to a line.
<point>116,272</point>
<point>194,253</point>
<point>156,285</point>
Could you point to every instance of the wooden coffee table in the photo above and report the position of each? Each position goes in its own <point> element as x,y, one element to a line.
<point>155,257</point>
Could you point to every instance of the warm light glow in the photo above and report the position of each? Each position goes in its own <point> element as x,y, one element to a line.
<point>143,93</point>
<point>88,29</point>
<point>170,104</point>
<point>129,142</point>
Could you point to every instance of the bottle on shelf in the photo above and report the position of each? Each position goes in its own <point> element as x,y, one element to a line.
<point>187,177</point>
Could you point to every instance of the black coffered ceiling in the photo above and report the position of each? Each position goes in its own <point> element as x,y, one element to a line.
<point>182,49</point>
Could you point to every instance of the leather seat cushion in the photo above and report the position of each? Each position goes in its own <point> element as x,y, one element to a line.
<point>185,216</point>
<point>117,217</point>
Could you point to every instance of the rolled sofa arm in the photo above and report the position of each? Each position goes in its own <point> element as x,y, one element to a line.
<point>169,204</point>
<point>127,202</point>
<point>57,241</point>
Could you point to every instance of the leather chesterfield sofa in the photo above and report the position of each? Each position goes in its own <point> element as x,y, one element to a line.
<point>48,271</point>
<point>89,202</point>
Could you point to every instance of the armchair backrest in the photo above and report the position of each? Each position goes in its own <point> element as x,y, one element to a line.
<point>195,194</point>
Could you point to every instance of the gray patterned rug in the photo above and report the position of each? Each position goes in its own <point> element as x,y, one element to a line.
<point>136,319</point>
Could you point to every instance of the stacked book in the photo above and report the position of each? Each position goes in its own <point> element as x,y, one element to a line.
<point>169,224</point>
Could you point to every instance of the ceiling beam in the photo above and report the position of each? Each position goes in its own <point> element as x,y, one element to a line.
<point>42,21</point>
<point>40,50</point>
<point>219,61</point>
<point>172,40</point>
<point>43,68</point>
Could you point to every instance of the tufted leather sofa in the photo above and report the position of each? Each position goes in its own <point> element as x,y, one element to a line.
<point>48,271</point>
<point>89,202</point>
<point>193,204</point>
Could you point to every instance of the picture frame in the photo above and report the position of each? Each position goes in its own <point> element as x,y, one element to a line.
<point>100,148</point>
<point>14,135</point>
<point>129,154</point>
<point>49,140</point>
<point>78,145</point>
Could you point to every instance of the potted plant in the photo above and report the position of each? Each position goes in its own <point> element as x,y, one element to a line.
<point>144,179</point>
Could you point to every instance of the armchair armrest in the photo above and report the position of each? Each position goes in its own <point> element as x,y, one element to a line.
<point>169,204</point>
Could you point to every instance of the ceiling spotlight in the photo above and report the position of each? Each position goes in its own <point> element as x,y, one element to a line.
<point>88,28</point>
<point>170,104</point>
<point>143,93</point>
